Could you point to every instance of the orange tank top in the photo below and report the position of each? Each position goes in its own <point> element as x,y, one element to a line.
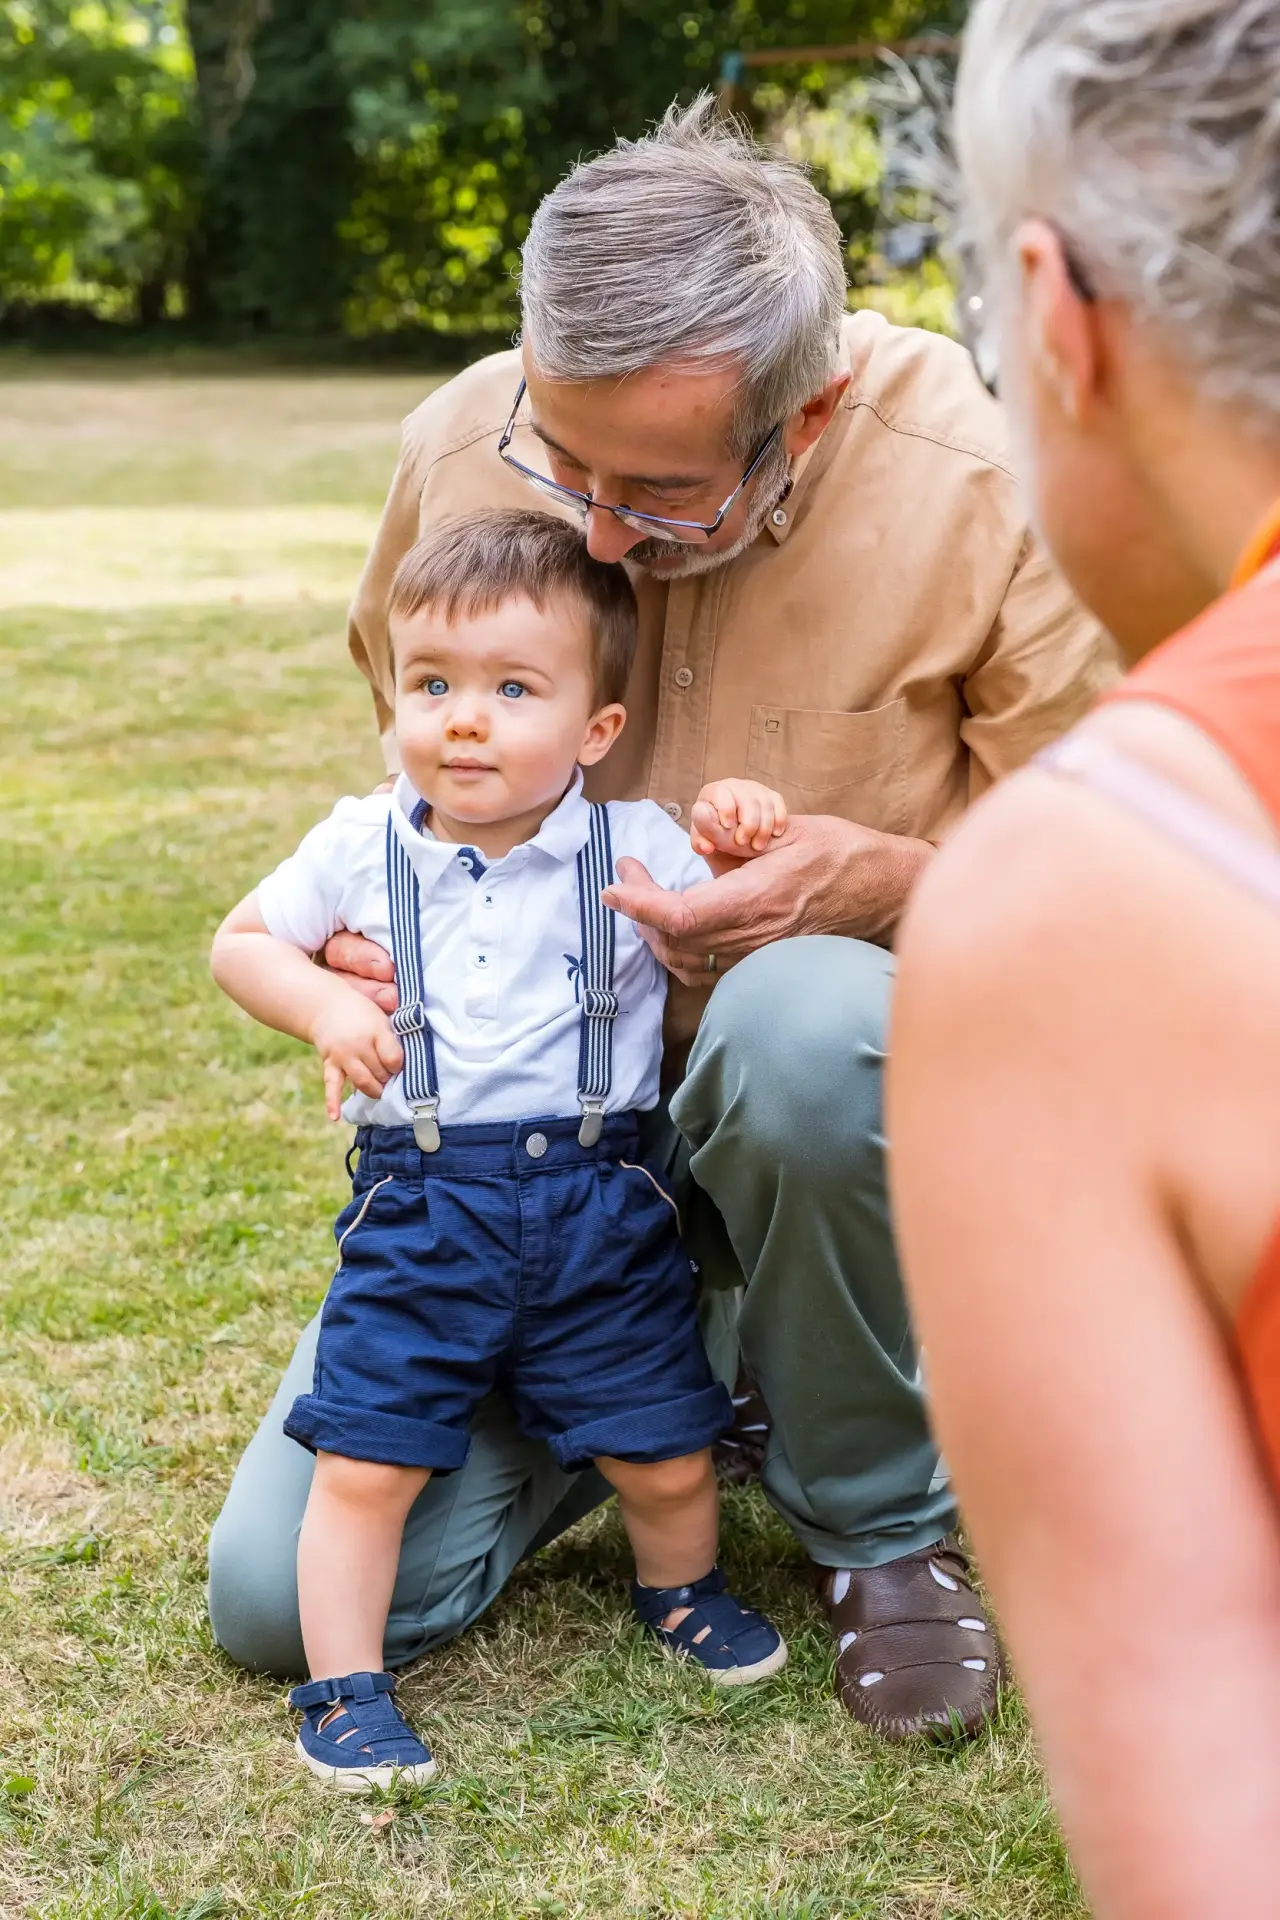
<point>1222,673</point>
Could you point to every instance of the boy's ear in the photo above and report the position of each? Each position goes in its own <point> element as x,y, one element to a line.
<point>603,729</point>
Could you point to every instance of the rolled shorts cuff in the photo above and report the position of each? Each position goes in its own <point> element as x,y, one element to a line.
<point>358,1433</point>
<point>648,1434</point>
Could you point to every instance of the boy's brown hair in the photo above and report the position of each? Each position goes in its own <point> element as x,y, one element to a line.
<point>471,565</point>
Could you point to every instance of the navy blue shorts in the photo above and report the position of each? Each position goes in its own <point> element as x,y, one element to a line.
<point>512,1258</point>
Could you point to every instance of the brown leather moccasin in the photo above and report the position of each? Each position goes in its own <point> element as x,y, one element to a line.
<point>915,1651</point>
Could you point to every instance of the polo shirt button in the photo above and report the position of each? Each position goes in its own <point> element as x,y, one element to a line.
<point>779,517</point>
<point>673,808</point>
<point>536,1145</point>
<point>684,676</point>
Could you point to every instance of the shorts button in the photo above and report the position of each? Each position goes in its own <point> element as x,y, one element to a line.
<point>536,1145</point>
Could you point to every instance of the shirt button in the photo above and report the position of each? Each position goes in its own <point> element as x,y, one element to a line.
<point>673,808</point>
<point>482,959</point>
<point>536,1145</point>
<point>779,517</point>
<point>488,899</point>
<point>684,676</point>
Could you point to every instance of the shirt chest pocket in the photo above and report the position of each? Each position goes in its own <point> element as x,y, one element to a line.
<point>850,764</point>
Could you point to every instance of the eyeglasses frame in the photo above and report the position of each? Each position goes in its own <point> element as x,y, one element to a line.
<point>626,515</point>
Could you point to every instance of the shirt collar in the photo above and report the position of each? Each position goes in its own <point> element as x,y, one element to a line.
<point>562,835</point>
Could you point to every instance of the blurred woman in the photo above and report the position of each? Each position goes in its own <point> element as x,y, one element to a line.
<point>1085,1097</point>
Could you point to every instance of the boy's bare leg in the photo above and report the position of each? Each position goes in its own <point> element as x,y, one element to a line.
<point>671,1513</point>
<point>347,1555</point>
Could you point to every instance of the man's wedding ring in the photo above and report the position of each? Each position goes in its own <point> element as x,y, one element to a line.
<point>711,963</point>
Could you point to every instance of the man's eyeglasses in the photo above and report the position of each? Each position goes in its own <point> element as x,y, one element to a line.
<point>690,531</point>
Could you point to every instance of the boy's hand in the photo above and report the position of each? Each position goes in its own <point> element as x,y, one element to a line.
<point>356,1042</point>
<point>736,819</point>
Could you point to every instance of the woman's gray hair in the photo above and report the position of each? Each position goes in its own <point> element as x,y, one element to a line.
<point>689,247</point>
<point>1148,133</point>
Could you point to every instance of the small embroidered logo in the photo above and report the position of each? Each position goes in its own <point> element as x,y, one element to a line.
<point>575,975</point>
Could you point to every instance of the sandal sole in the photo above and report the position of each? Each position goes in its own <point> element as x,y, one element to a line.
<point>734,1676</point>
<point>365,1779</point>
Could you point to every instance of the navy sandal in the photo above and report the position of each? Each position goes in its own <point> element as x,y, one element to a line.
<point>735,1644</point>
<point>354,1735</point>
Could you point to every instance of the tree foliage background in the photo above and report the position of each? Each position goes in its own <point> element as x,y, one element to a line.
<point>364,168</point>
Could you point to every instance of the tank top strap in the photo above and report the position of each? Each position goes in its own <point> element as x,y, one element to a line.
<point>1170,809</point>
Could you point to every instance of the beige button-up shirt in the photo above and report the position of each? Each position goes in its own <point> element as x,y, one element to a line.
<point>890,645</point>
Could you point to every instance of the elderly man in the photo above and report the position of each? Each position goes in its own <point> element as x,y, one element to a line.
<point>839,595</point>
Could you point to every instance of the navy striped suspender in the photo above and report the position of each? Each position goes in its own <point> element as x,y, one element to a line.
<point>599,1001</point>
<point>421,1087</point>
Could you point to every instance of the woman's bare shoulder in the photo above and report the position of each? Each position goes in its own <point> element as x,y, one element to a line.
<point>1049,871</point>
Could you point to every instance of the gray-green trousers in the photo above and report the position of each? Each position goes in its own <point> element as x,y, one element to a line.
<point>777,1154</point>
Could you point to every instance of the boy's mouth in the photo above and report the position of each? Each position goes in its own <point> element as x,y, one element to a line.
<point>468,767</point>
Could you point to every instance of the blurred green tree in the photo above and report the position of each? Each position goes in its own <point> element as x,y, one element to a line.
<point>276,172</point>
<point>309,167</point>
<point>465,115</point>
<point>97,151</point>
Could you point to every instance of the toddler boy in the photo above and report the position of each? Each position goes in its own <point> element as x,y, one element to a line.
<point>502,1231</point>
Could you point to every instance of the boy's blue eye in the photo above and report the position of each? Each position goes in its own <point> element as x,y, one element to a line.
<point>436,685</point>
<point>512,689</point>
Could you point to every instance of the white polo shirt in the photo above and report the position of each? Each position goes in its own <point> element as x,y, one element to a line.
<point>501,948</point>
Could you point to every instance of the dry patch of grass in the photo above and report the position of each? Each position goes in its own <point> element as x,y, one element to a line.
<point>165,1232</point>
<point>147,437</point>
<point>113,558</point>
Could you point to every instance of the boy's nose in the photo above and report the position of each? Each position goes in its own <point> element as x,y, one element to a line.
<point>467,721</point>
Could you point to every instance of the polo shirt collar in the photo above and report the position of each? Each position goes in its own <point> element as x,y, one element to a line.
<point>562,835</point>
<point>565,831</point>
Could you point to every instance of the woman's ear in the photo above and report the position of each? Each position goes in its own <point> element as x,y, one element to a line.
<point>603,729</point>
<point>1061,342</point>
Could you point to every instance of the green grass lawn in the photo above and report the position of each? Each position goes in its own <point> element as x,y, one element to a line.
<point>178,707</point>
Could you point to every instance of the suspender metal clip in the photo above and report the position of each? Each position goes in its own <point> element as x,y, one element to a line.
<point>592,1122</point>
<point>600,1003</point>
<point>426,1128</point>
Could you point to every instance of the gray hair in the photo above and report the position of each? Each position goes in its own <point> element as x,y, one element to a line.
<point>1148,133</point>
<point>689,247</point>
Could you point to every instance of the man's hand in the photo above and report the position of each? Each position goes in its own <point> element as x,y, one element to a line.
<point>356,1043</point>
<point>364,965</point>
<point>734,819</point>
<point>824,876</point>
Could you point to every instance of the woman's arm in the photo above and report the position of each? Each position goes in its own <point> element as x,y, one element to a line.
<point>1082,1387</point>
<point>279,986</point>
